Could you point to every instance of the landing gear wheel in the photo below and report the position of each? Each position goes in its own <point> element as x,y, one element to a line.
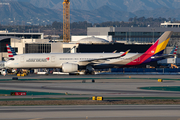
<point>92,73</point>
<point>87,72</point>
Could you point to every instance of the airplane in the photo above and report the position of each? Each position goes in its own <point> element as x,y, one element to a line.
<point>11,53</point>
<point>72,62</point>
<point>173,53</point>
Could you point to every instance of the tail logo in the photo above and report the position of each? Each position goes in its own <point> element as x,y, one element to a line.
<point>47,58</point>
<point>11,52</point>
<point>152,51</point>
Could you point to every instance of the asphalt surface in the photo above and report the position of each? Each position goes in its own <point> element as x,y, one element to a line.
<point>91,112</point>
<point>112,87</point>
<point>82,86</point>
<point>33,76</point>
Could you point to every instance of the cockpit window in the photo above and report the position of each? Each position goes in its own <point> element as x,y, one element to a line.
<point>11,59</point>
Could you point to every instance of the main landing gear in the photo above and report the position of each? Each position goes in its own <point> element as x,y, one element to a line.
<point>89,70</point>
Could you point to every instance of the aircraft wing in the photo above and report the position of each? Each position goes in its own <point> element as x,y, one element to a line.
<point>163,56</point>
<point>101,60</point>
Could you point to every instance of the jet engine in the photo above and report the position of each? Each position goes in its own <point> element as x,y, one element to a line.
<point>69,67</point>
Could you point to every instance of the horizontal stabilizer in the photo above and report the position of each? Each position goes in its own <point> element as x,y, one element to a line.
<point>163,56</point>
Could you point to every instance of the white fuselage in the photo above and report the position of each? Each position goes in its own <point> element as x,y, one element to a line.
<point>55,60</point>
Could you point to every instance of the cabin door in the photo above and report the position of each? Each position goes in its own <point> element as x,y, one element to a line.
<point>53,59</point>
<point>22,58</point>
<point>139,59</point>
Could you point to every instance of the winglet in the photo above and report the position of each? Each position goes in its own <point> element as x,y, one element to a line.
<point>115,51</point>
<point>125,53</point>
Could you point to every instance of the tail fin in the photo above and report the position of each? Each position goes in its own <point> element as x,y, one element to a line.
<point>11,51</point>
<point>158,47</point>
<point>174,51</point>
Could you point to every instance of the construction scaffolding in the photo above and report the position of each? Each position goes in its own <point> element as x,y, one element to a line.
<point>66,21</point>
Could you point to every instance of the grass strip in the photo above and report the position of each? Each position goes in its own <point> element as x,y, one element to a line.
<point>90,102</point>
<point>89,98</point>
<point>32,99</point>
<point>8,92</point>
<point>163,88</point>
<point>82,79</point>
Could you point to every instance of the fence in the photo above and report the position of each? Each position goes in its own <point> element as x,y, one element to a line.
<point>145,70</point>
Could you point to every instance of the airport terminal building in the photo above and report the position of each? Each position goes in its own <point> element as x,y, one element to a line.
<point>98,39</point>
<point>137,35</point>
<point>134,35</point>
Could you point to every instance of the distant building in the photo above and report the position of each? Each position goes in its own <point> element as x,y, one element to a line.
<point>23,35</point>
<point>136,35</point>
<point>18,41</point>
<point>170,24</point>
<point>43,47</point>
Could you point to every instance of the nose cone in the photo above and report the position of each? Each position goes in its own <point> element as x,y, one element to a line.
<point>5,64</point>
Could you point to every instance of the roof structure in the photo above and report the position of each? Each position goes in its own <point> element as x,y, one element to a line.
<point>93,40</point>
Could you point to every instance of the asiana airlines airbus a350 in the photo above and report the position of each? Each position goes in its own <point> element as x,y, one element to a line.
<point>72,62</point>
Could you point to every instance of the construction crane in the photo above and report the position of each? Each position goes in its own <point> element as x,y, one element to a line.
<point>66,21</point>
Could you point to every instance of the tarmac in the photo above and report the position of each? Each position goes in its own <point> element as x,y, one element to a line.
<point>87,86</point>
<point>101,112</point>
<point>84,87</point>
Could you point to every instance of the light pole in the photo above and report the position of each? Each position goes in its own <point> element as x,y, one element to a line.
<point>54,30</point>
<point>32,34</point>
<point>153,29</point>
<point>54,33</point>
<point>14,39</point>
<point>126,36</point>
<point>129,34</point>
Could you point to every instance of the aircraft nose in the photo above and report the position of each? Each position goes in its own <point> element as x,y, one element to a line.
<point>7,64</point>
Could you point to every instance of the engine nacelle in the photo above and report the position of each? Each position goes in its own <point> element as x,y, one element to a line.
<point>69,67</point>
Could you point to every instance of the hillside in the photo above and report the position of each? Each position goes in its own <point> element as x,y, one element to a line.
<point>121,5</point>
<point>24,12</point>
<point>14,12</point>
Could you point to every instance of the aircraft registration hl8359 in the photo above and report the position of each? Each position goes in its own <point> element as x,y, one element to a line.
<point>72,62</point>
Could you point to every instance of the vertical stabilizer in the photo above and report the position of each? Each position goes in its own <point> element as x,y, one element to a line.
<point>11,51</point>
<point>174,51</point>
<point>158,47</point>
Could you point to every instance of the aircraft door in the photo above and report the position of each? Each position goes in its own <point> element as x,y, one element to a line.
<point>22,58</point>
<point>53,58</point>
<point>139,59</point>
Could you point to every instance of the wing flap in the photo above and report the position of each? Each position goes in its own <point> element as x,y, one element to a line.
<point>102,60</point>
